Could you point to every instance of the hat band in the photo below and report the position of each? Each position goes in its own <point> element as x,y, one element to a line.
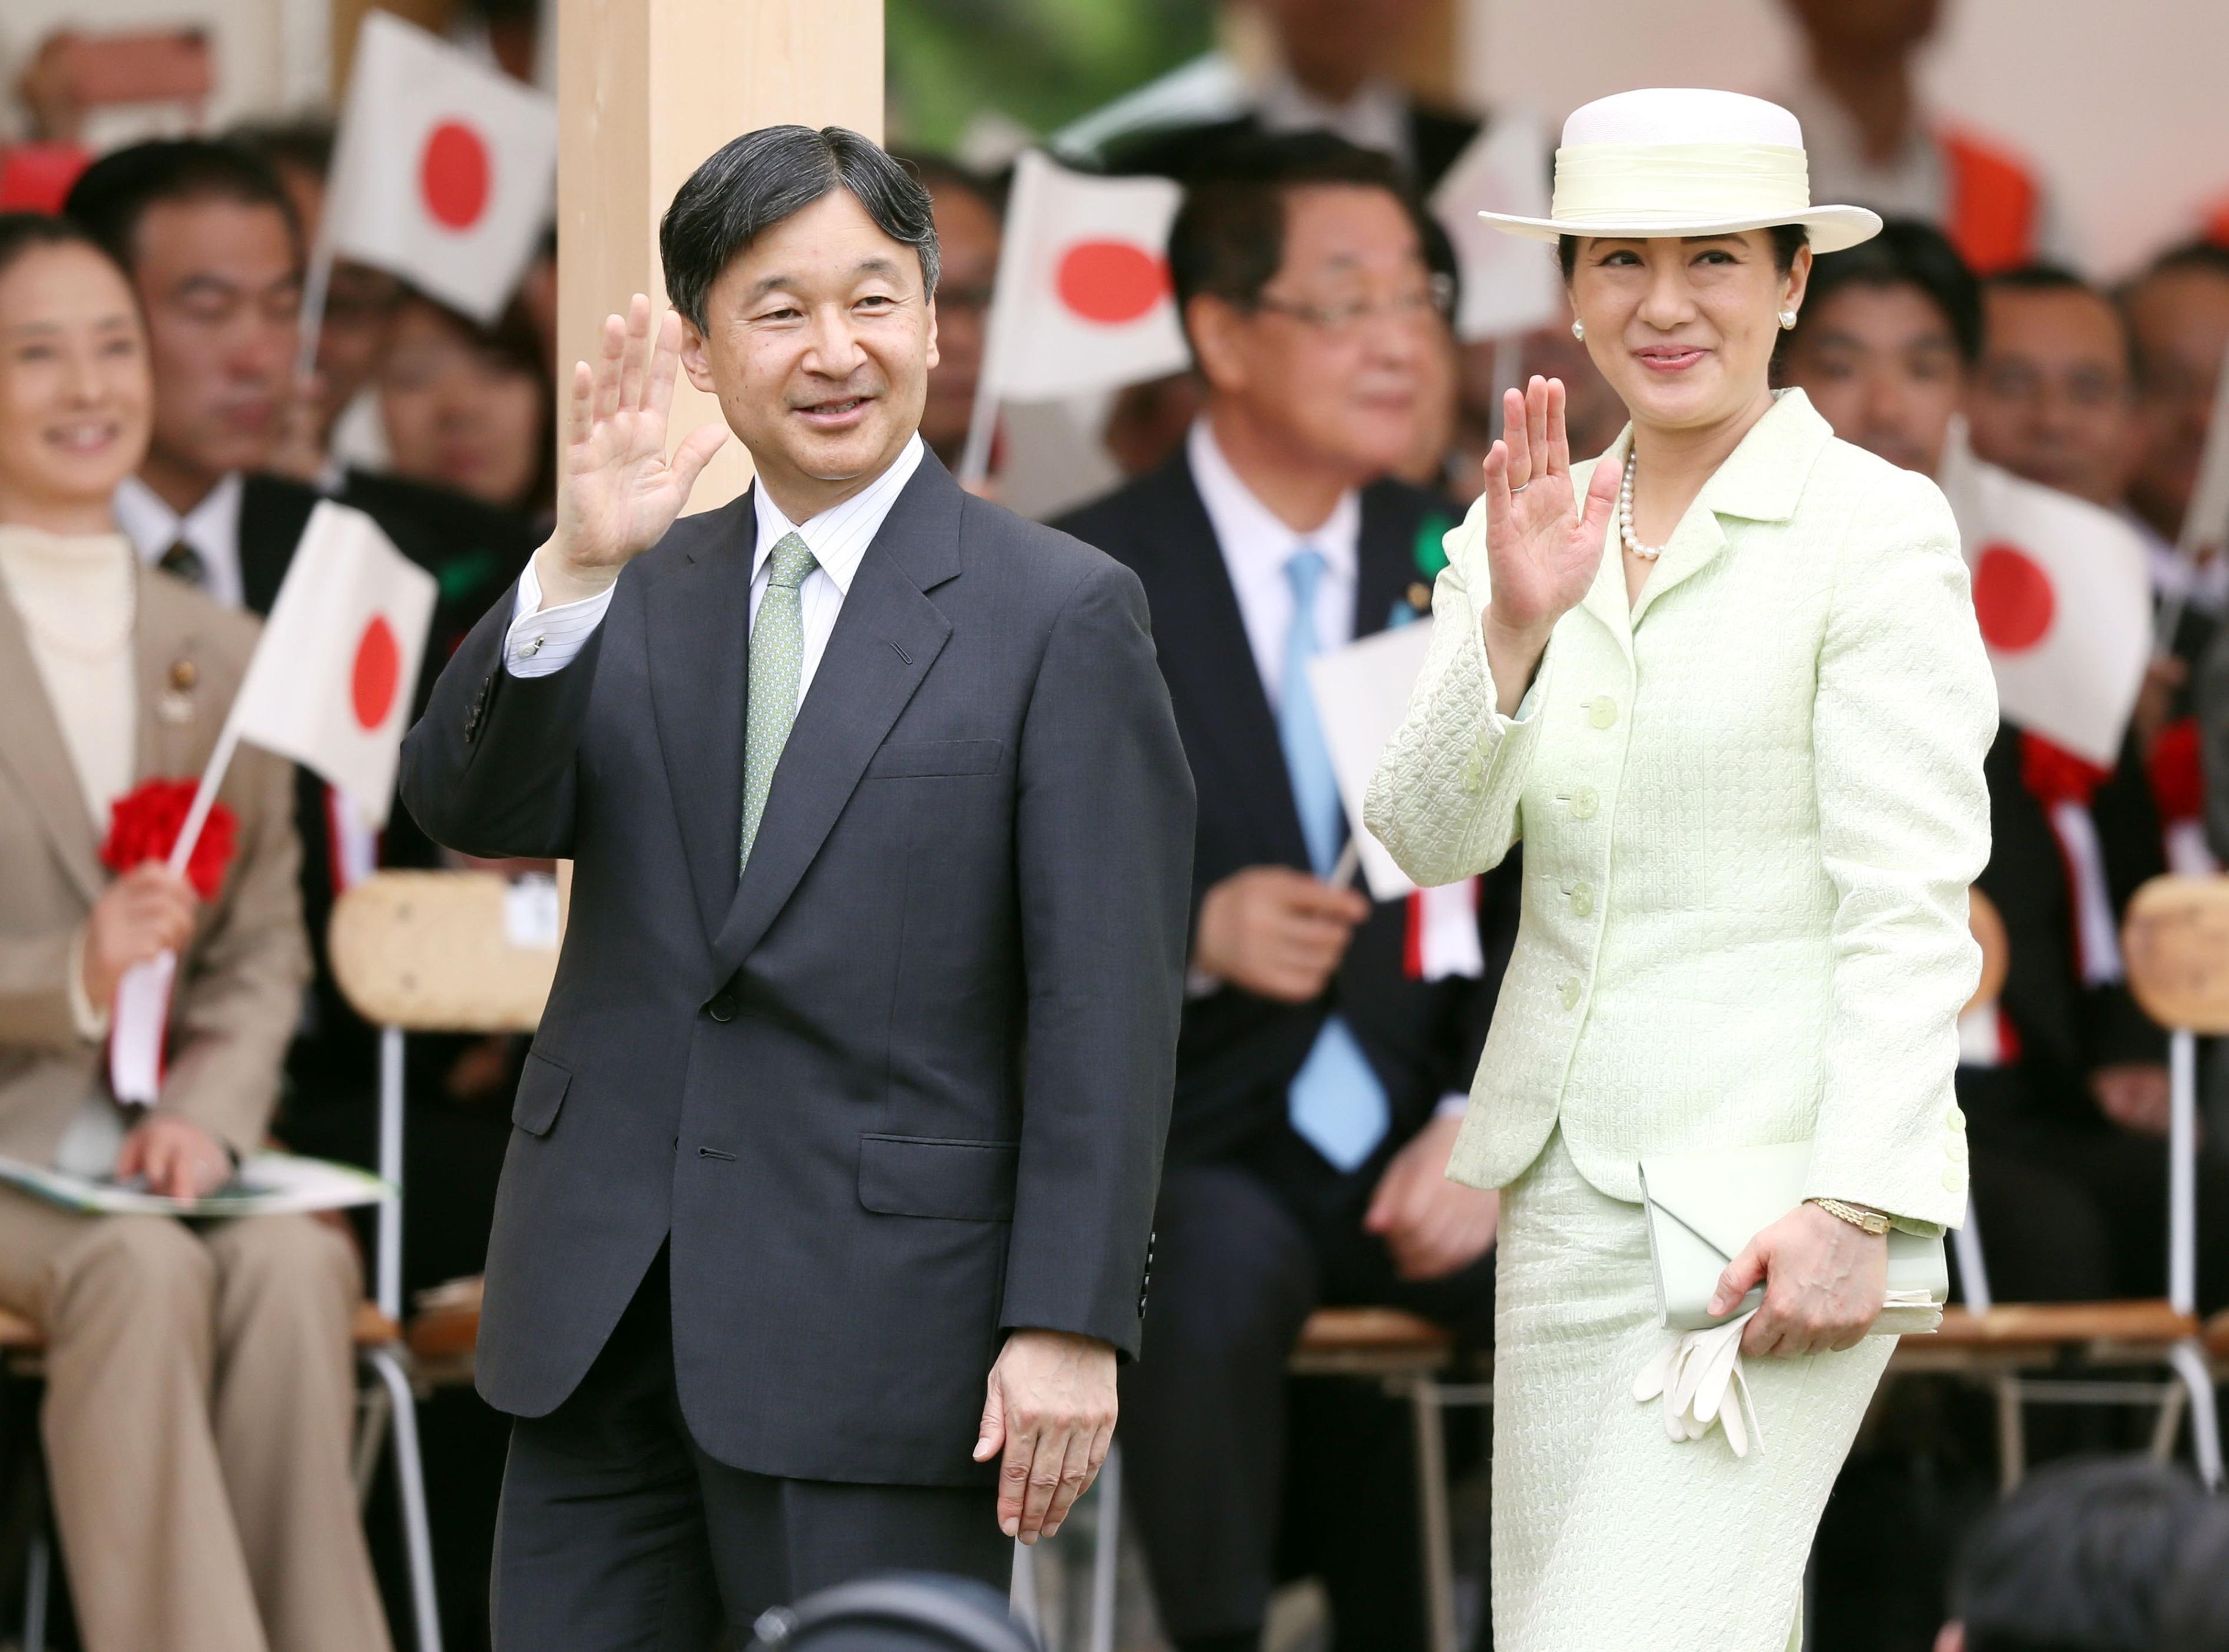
<point>1679,183</point>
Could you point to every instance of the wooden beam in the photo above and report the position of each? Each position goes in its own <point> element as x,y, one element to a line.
<point>647,89</point>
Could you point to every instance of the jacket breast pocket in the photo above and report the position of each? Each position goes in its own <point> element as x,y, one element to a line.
<point>542,1087</point>
<point>922,759</point>
<point>921,1176</point>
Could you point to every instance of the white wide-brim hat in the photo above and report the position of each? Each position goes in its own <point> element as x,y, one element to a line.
<point>1674,160</point>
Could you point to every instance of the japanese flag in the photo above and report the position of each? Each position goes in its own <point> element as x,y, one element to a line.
<point>1082,301</point>
<point>445,171</point>
<point>1509,285</point>
<point>331,681</point>
<point>2062,589</point>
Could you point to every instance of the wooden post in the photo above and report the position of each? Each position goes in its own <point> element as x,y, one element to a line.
<point>647,89</point>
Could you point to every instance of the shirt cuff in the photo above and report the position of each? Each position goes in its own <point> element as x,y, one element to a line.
<point>545,641</point>
<point>1454,1104</point>
<point>90,1019</point>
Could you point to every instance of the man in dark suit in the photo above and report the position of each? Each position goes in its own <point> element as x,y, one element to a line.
<point>833,1176</point>
<point>1320,1073</point>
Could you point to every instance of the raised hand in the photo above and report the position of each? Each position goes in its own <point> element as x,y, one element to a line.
<point>1541,550</point>
<point>617,491</point>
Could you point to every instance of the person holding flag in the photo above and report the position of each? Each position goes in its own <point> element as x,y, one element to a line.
<point>1320,1075</point>
<point>200,1380</point>
<point>827,1215</point>
<point>2066,1090</point>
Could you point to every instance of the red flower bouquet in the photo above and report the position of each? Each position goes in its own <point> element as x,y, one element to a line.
<point>144,825</point>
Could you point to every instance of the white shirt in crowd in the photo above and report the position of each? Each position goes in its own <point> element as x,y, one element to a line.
<point>1256,545</point>
<point>541,643</point>
<point>1376,116</point>
<point>211,528</point>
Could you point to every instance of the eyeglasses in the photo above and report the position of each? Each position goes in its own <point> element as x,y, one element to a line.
<point>1349,317</point>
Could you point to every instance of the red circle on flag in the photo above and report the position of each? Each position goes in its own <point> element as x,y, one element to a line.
<point>2012,598</point>
<point>378,670</point>
<point>1110,281</point>
<point>453,175</point>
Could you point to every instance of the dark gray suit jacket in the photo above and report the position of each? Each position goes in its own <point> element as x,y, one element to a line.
<point>904,1086</point>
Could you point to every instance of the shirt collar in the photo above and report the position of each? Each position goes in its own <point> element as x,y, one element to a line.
<point>1376,116</point>
<point>1250,531</point>
<point>839,536</point>
<point>1762,480</point>
<point>212,527</point>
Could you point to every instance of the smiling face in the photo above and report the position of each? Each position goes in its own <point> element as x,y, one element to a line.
<point>1332,364</point>
<point>74,394</point>
<point>1881,365</point>
<point>818,341</point>
<point>1684,330</point>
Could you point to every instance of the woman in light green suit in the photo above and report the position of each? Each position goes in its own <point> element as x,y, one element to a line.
<point>1725,684</point>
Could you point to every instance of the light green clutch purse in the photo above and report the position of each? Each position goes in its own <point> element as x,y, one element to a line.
<point>1703,1208</point>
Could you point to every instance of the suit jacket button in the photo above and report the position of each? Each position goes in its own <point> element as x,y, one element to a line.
<point>1584,802</point>
<point>722,1007</point>
<point>1602,710</point>
<point>1570,995</point>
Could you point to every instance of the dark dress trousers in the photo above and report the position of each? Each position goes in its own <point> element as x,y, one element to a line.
<point>1238,1479</point>
<point>901,1088</point>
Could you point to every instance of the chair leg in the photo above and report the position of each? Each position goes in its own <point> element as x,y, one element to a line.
<point>410,1478</point>
<point>2189,1361</point>
<point>2012,1433</point>
<point>1432,1507</point>
<point>38,1579</point>
<point>1106,1551</point>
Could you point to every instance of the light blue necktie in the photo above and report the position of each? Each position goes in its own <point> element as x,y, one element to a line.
<point>1336,1103</point>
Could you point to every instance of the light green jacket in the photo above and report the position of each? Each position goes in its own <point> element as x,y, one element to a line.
<point>1752,806</point>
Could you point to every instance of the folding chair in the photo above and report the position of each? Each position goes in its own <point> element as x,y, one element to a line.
<point>2020,1351</point>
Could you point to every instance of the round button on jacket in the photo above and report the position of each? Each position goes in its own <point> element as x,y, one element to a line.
<point>1584,802</point>
<point>1583,900</point>
<point>721,1007</point>
<point>1601,711</point>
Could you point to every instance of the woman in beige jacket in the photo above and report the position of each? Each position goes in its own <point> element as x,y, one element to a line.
<point>1726,685</point>
<point>200,1385</point>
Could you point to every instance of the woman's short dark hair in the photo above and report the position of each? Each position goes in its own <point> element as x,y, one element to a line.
<point>1907,253</point>
<point>1228,240</point>
<point>753,182</point>
<point>1786,238</point>
<point>26,232</point>
<point>111,196</point>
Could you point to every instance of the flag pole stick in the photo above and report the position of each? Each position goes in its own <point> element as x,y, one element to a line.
<point>190,833</point>
<point>982,425</point>
<point>315,284</point>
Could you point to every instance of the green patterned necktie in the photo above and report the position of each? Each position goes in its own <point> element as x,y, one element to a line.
<point>777,660</point>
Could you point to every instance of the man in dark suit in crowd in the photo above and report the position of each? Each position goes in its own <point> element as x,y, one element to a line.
<point>1320,1079</point>
<point>835,1156</point>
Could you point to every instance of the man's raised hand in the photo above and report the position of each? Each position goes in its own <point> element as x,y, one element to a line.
<point>617,491</point>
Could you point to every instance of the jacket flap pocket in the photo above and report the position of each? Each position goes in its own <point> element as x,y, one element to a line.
<point>920,1175</point>
<point>542,1087</point>
<point>901,758</point>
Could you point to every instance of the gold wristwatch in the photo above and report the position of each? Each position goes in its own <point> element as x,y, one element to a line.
<point>1857,1215</point>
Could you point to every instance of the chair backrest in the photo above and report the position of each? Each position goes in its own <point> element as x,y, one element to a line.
<point>447,952</point>
<point>2175,942</point>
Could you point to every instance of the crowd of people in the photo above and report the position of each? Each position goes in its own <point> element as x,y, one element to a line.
<point>159,459</point>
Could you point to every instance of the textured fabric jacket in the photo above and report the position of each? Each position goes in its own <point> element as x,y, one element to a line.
<point>901,1087</point>
<point>1751,807</point>
<point>239,981</point>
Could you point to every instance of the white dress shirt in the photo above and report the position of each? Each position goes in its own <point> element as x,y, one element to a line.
<point>540,643</point>
<point>211,528</point>
<point>1255,546</point>
<point>1376,116</point>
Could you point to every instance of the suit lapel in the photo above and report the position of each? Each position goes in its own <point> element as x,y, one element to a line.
<point>887,636</point>
<point>32,749</point>
<point>271,517</point>
<point>178,715</point>
<point>1386,563</point>
<point>698,636</point>
<point>1605,598</point>
<point>1209,663</point>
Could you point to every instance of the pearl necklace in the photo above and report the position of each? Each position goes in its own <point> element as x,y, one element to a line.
<point>1646,552</point>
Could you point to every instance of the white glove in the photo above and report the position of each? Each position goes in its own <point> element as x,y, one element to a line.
<point>1698,1377</point>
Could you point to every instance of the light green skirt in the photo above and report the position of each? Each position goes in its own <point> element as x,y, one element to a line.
<point>1610,1536</point>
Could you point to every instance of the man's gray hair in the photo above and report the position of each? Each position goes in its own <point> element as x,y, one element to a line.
<point>754,182</point>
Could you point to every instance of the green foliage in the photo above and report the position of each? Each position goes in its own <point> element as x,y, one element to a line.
<point>1043,62</point>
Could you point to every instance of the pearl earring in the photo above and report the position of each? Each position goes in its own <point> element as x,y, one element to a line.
<point>1579,331</point>
<point>1787,321</point>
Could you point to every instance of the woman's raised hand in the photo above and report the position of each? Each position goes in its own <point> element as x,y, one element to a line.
<point>617,491</point>
<point>1540,549</point>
